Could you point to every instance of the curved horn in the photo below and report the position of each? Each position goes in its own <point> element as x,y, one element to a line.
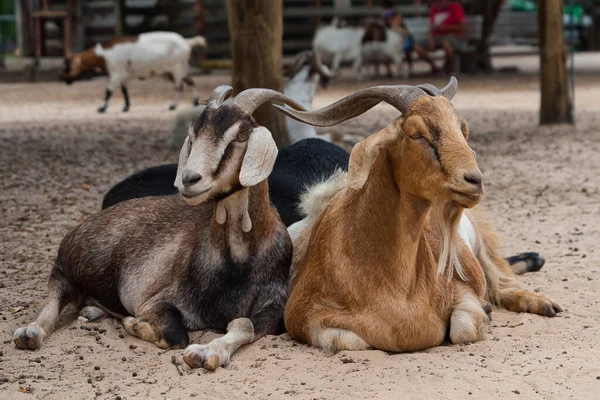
<point>450,89</point>
<point>250,99</point>
<point>219,95</point>
<point>447,91</point>
<point>400,96</point>
<point>318,65</point>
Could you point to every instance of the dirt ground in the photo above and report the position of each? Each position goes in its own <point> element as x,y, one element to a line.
<point>58,157</point>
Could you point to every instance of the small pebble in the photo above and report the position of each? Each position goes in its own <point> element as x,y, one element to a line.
<point>121,335</point>
<point>81,357</point>
<point>89,380</point>
<point>97,368</point>
<point>123,359</point>
<point>132,346</point>
<point>516,392</point>
<point>134,374</point>
<point>101,330</point>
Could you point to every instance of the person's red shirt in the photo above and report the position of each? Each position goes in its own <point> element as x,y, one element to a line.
<point>448,14</point>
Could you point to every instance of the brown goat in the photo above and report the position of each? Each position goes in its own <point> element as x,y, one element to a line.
<point>381,266</point>
<point>217,257</point>
<point>370,262</point>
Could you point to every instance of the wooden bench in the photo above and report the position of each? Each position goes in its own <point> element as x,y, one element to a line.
<point>521,28</point>
<point>473,25</point>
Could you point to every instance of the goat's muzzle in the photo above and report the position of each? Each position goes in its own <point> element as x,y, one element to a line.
<point>467,188</point>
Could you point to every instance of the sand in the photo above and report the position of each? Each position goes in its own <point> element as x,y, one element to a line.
<point>58,157</point>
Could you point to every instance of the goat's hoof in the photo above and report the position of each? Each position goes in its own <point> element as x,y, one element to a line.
<point>92,313</point>
<point>535,303</point>
<point>28,338</point>
<point>196,101</point>
<point>208,356</point>
<point>102,109</point>
<point>125,109</point>
<point>172,107</point>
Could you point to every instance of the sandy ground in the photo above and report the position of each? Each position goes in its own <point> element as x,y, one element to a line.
<point>58,158</point>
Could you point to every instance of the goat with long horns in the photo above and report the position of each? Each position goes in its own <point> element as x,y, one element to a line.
<point>380,261</point>
<point>217,257</point>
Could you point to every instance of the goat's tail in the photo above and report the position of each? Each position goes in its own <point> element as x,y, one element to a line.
<point>197,41</point>
<point>316,197</point>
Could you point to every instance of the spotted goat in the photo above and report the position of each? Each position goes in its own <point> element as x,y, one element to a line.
<point>125,58</point>
<point>217,257</point>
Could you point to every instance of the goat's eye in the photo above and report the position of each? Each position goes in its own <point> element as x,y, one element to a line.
<point>416,136</point>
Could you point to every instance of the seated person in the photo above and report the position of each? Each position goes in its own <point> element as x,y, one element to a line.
<point>395,21</point>
<point>446,23</point>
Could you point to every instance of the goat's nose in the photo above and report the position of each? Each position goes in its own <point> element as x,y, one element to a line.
<point>474,178</point>
<point>190,177</point>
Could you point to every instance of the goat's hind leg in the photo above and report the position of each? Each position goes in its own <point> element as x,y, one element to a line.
<point>160,323</point>
<point>468,317</point>
<point>60,293</point>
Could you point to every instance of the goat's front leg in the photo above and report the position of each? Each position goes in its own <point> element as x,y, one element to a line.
<point>113,83</point>
<point>217,353</point>
<point>468,316</point>
<point>190,82</point>
<point>107,95</point>
<point>240,331</point>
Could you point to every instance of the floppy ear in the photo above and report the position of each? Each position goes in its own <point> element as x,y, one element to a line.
<point>364,154</point>
<point>259,158</point>
<point>183,157</point>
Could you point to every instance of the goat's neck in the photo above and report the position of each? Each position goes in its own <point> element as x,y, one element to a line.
<point>396,219</point>
<point>243,219</point>
<point>234,210</point>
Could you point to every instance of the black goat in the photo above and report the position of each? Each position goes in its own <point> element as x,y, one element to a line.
<point>296,167</point>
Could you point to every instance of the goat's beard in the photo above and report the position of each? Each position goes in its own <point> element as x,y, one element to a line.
<point>445,219</point>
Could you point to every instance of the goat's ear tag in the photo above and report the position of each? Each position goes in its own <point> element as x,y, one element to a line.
<point>259,159</point>
<point>183,157</point>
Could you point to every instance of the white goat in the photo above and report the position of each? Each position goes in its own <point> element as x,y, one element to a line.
<point>370,44</point>
<point>139,56</point>
<point>336,44</point>
<point>381,45</point>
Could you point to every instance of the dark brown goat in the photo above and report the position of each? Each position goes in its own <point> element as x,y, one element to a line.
<point>215,258</point>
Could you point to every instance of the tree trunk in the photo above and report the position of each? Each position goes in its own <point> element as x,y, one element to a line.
<point>556,102</point>
<point>256,31</point>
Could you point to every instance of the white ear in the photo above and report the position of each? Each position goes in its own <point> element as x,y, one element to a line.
<point>259,158</point>
<point>183,157</point>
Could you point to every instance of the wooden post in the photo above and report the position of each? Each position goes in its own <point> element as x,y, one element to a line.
<point>120,17</point>
<point>256,32</point>
<point>556,102</point>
